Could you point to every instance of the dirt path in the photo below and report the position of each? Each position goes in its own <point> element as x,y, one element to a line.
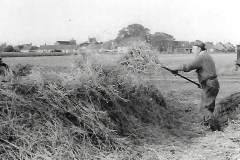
<point>213,146</point>
<point>199,143</point>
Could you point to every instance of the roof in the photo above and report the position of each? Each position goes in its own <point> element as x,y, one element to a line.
<point>183,47</point>
<point>16,47</point>
<point>92,40</point>
<point>57,47</point>
<point>26,48</point>
<point>229,45</point>
<point>84,44</point>
<point>182,44</point>
<point>209,45</point>
<point>63,42</point>
<point>219,46</point>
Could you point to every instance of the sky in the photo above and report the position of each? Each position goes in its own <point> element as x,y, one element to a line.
<point>47,21</point>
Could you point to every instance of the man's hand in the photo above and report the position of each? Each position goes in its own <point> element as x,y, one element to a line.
<point>174,71</point>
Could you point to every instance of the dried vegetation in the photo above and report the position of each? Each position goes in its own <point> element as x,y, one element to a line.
<point>83,114</point>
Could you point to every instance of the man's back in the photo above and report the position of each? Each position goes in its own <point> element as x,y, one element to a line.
<point>204,65</point>
<point>208,68</point>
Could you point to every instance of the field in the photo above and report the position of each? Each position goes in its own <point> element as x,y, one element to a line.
<point>190,140</point>
<point>224,62</point>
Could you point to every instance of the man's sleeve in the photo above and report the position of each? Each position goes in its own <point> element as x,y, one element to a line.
<point>196,63</point>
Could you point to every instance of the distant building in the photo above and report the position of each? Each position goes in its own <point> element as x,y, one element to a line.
<point>92,40</point>
<point>163,45</point>
<point>220,47</point>
<point>229,47</point>
<point>58,48</point>
<point>84,44</point>
<point>170,46</point>
<point>17,48</point>
<point>62,43</point>
<point>209,47</point>
<point>29,48</point>
<point>182,47</point>
<point>108,46</point>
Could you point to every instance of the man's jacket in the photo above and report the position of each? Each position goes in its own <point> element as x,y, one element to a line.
<point>204,65</point>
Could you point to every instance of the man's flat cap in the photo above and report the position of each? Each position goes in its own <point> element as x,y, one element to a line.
<point>199,44</point>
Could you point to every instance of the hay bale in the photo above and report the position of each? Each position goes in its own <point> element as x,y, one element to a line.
<point>229,108</point>
<point>88,112</point>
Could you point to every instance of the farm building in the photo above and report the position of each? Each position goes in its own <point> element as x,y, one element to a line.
<point>62,43</point>
<point>92,40</point>
<point>108,46</point>
<point>220,47</point>
<point>97,47</point>
<point>170,46</point>
<point>183,50</point>
<point>182,47</point>
<point>163,45</point>
<point>58,48</point>
<point>84,44</point>
<point>28,48</point>
<point>229,47</point>
<point>17,48</point>
<point>209,47</point>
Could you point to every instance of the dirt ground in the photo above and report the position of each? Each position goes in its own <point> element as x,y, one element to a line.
<point>199,143</point>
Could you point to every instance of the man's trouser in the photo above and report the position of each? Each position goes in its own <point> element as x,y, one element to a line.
<point>210,90</point>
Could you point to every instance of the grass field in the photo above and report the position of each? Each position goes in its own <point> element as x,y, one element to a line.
<point>224,62</point>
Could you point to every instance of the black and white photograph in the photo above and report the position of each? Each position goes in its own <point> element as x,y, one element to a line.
<point>119,80</point>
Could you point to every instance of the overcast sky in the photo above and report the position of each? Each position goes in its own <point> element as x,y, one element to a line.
<point>46,21</point>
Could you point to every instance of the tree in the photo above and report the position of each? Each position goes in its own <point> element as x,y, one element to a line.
<point>162,41</point>
<point>158,36</point>
<point>9,48</point>
<point>20,46</point>
<point>135,31</point>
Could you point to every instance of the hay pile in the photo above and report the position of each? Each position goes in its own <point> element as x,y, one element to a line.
<point>229,108</point>
<point>141,58</point>
<point>83,114</point>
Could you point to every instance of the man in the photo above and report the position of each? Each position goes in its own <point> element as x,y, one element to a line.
<point>204,65</point>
